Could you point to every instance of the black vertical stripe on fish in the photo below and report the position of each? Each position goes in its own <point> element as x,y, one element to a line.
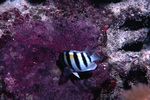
<point>84,60</point>
<point>76,60</point>
<point>89,58</point>
<point>68,59</point>
<point>62,58</point>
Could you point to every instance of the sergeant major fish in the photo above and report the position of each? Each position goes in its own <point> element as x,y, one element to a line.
<point>78,61</point>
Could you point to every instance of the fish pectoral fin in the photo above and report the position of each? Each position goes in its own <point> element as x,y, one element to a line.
<point>66,72</point>
<point>76,74</point>
<point>91,66</point>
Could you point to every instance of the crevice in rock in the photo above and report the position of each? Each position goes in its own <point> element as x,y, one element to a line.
<point>134,24</point>
<point>98,2</point>
<point>36,2</point>
<point>136,75</point>
<point>133,46</point>
<point>147,39</point>
<point>2,1</point>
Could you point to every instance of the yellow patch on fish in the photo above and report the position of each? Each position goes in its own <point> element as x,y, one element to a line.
<point>71,55</point>
<point>79,55</point>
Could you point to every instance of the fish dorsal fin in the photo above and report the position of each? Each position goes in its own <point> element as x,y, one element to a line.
<point>91,66</point>
<point>95,57</point>
<point>76,74</point>
<point>87,51</point>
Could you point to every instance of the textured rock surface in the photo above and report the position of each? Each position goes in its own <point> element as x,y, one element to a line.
<point>33,34</point>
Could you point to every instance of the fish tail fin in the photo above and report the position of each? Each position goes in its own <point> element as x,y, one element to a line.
<point>95,57</point>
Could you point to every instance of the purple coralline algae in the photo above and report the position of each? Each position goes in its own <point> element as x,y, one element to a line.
<point>33,34</point>
<point>29,52</point>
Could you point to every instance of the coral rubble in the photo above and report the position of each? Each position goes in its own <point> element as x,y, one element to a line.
<point>139,92</point>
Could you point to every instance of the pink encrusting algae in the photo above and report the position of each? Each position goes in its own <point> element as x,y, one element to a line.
<point>28,56</point>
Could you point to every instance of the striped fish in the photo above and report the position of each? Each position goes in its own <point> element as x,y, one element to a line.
<point>78,61</point>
